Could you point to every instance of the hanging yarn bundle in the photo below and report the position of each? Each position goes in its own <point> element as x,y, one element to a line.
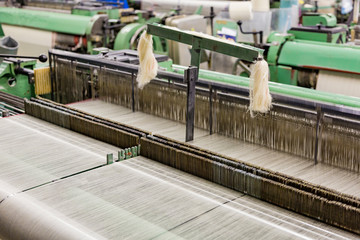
<point>260,98</point>
<point>148,64</point>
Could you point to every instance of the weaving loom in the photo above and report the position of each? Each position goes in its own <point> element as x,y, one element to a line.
<point>309,130</point>
<point>270,157</point>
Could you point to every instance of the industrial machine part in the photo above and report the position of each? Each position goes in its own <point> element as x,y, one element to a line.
<point>68,32</point>
<point>179,52</point>
<point>313,19</point>
<point>128,38</point>
<point>129,35</point>
<point>10,105</point>
<point>18,76</point>
<point>8,45</point>
<point>120,13</point>
<point>78,33</point>
<point>308,54</point>
<point>287,57</point>
<point>256,42</point>
<point>320,27</point>
<point>320,34</point>
<point>187,6</point>
<point>95,8</point>
<point>198,43</point>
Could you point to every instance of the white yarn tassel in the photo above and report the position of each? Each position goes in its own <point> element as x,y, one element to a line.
<point>260,98</point>
<point>148,64</point>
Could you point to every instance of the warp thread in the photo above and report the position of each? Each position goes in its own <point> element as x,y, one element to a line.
<point>148,64</point>
<point>260,98</point>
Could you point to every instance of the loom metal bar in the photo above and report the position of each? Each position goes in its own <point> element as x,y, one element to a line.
<point>51,76</point>
<point>210,110</point>
<point>191,76</point>
<point>320,115</point>
<point>238,50</point>
<point>133,91</point>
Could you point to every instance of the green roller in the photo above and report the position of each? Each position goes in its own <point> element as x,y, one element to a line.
<point>73,32</point>
<point>335,57</point>
<point>49,21</point>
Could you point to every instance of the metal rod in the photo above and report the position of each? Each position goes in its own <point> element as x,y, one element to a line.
<point>51,76</point>
<point>133,91</point>
<point>210,110</point>
<point>318,126</point>
<point>191,75</point>
<point>41,58</point>
<point>239,23</point>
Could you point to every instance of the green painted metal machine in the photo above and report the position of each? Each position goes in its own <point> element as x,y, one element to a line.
<point>95,8</point>
<point>312,19</point>
<point>20,77</point>
<point>297,62</point>
<point>17,77</point>
<point>307,53</point>
<point>82,31</point>
<point>320,27</point>
<point>68,32</point>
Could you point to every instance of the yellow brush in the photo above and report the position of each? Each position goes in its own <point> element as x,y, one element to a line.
<point>42,81</point>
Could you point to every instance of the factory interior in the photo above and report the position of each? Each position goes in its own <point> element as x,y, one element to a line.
<point>179,119</point>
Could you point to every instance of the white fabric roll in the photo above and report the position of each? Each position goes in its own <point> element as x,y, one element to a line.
<point>260,5</point>
<point>240,11</point>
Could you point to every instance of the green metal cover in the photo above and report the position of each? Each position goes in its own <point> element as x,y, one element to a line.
<point>50,21</point>
<point>21,87</point>
<point>319,37</point>
<point>123,38</point>
<point>328,20</point>
<point>112,13</point>
<point>317,55</point>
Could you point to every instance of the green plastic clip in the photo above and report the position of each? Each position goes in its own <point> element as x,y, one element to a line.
<point>128,153</point>
<point>109,158</point>
<point>134,151</point>
<point>121,155</point>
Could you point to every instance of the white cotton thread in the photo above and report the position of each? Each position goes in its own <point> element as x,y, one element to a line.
<point>260,98</point>
<point>148,64</point>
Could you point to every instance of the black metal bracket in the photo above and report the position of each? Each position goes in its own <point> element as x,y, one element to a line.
<point>211,17</point>
<point>28,72</point>
<point>239,23</point>
<point>190,77</point>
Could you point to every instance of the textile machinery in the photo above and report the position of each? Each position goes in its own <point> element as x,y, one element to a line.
<point>315,55</point>
<point>81,31</point>
<point>19,75</point>
<point>92,26</point>
<point>304,126</point>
